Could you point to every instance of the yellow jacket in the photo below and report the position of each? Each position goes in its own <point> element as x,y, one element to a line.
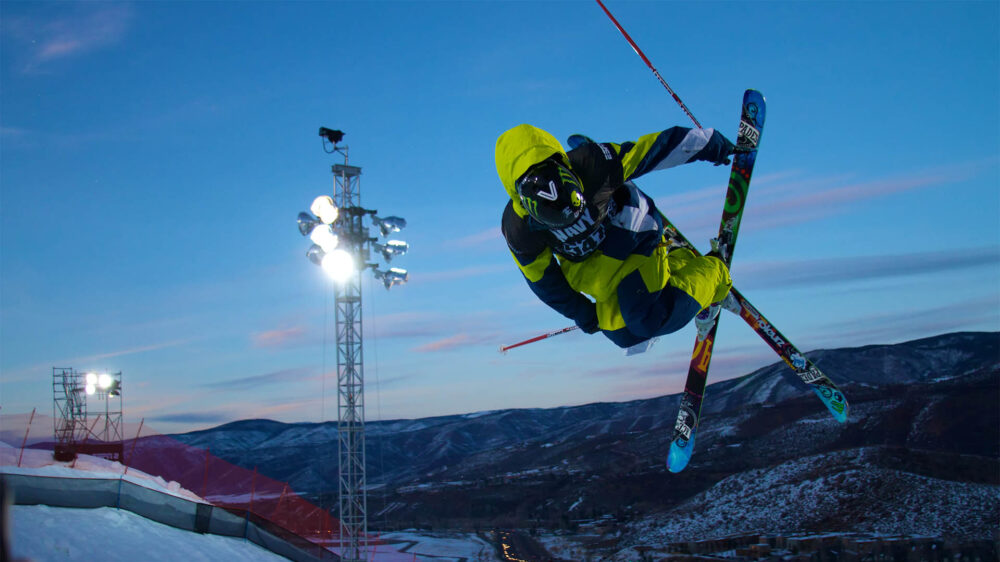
<point>616,252</point>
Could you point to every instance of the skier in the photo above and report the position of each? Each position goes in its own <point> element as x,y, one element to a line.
<point>576,225</point>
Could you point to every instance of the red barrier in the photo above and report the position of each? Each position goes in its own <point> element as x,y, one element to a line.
<point>25,440</point>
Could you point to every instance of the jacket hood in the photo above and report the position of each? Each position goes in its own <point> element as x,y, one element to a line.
<point>519,149</point>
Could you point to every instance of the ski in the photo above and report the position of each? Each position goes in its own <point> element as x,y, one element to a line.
<point>805,369</point>
<point>752,116</point>
<point>807,372</point>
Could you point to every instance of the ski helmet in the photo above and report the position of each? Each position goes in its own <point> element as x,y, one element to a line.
<point>551,193</point>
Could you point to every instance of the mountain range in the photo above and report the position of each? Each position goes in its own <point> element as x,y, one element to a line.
<point>920,453</point>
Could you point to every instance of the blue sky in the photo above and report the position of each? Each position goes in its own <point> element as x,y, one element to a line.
<point>154,156</point>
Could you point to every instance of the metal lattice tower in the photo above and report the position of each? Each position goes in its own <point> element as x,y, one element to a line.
<point>350,372</point>
<point>69,411</point>
<point>73,430</point>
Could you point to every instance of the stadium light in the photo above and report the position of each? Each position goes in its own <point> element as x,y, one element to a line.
<point>392,277</point>
<point>339,265</point>
<point>307,223</point>
<point>316,254</point>
<point>324,237</point>
<point>324,208</point>
<point>341,240</point>
<point>391,249</point>
<point>388,225</point>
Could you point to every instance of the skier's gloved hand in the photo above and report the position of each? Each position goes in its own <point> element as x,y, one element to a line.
<point>586,320</point>
<point>719,149</point>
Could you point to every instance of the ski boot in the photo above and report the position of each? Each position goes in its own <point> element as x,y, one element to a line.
<point>706,318</point>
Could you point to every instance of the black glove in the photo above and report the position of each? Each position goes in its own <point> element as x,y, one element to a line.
<point>725,148</point>
<point>587,321</point>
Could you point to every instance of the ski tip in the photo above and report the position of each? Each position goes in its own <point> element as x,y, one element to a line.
<point>835,403</point>
<point>843,415</point>
<point>680,454</point>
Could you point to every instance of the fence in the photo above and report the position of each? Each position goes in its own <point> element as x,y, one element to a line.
<point>163,508</point>
<point>262,505</point>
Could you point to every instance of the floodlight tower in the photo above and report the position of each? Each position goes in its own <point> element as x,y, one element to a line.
<point>342,246</point>
<point>71,390</point>
<point>69,407</point>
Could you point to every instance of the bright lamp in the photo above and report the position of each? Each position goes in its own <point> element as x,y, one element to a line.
<point>324,208</point>
<point>339,265</point>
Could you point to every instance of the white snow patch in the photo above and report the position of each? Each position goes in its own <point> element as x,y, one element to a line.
<point>39,462</point>
<point>40,532</point>
<point>435,546</point>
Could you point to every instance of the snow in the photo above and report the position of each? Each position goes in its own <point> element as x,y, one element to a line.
<point>40,533</point>
<point>440,546</point>
<point>38,462</point>
<point>475,415</point>
<point>566,547</point>
<point>828,488</point>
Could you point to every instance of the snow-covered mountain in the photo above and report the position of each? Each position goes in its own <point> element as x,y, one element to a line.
<point>924,418</point>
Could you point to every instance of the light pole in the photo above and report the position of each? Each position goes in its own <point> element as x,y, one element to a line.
<point>342,247</point>
<point>71,390</point>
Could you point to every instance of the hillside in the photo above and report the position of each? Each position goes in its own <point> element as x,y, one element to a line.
<point>924,418</point>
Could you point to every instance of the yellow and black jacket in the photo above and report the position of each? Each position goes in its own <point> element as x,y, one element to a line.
<point>615,252</point>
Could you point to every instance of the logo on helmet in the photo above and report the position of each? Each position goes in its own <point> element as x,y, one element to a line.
<point>552,194</point>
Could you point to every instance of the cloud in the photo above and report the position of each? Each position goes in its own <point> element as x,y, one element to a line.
<point>283,377</point>
<point>193,417</point>
<point>408,325</point>
<point>891,327</point>
<point>79,28</point>
<point>829,271</point>
<point>461,273</point>
<point>455,341</point>
<point>791,197</point>
<point>491,235</point>
<point>30,373</point>
<point>290,337</point>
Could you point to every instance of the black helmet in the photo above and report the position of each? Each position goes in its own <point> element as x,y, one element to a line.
<point>551,193</point>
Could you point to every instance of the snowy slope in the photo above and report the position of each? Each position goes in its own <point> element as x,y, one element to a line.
<point>842,491</point>
<point>41,533</point>
<point>40,463</point>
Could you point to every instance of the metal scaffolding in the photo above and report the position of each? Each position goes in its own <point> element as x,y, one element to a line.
<point>350,371</point>
<point>342,246</point>
<point>74,433</point>
<point>69,407</point>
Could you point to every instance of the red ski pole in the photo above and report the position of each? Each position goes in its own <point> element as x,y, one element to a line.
<point>642,55</point>
<point>505,348</point>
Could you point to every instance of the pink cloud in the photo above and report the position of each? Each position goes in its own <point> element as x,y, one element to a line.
<point>787,198</point>
<point>131,350</point>
<point>279,338</point>
<point>453,342</point>
<point>485,236</point>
